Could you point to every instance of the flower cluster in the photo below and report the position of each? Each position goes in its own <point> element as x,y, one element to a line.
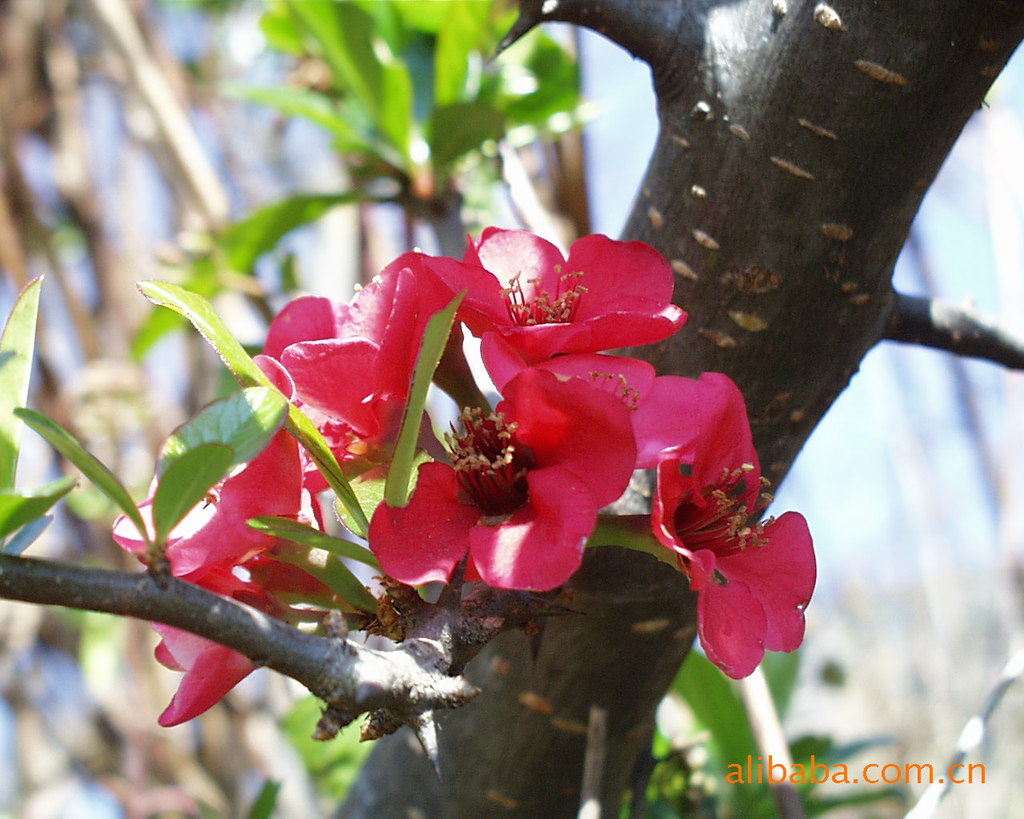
<point>512,494</point>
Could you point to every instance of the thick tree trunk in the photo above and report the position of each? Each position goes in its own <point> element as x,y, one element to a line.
<point>797,141</point>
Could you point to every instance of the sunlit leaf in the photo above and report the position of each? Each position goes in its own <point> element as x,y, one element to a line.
<point>186,481</point>
<point>289,529</point>
<point>19,509</point>
<point>16,347</point>
<point>68,446</point>
<point>245,422</point>
<point>435,337</point>
<point>329,569</point>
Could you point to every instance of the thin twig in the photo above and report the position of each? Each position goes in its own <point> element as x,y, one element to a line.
<point>114,19</point>
<point>771,742</point>
<point>593,764</point>
<point>959,329</point>
<point>970,738</point>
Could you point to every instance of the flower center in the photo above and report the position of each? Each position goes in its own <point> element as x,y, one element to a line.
<point>724,519</point>
<point>543,307</point>
<point>488,467</point>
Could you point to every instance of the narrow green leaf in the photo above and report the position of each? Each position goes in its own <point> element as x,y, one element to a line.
<point>266,802</point>
<point>17,510</point>
<point>185,482</point>
<point>344,34</point>
<point>332,572</point>
<point>245,422</point>
<point>259,232</point>
<point>292,530</point>
<point>435,337</point>
<point>370,492</point>
<point>396,111</point>
<point>299,102</point>
<point>67,445</point>
<point>26,536</point>
<point>16,347</point>
<point>205,319</point>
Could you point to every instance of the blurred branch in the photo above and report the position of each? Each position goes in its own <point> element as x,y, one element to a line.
<point>970,738</point>
<point>959,329</point>
<point>191,164</point>
<point>771,742</point>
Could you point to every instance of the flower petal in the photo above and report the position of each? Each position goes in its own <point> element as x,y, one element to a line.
<point>780,575</point>
<point>211,670</point>
<point>426,539</point>
<point>541,545</point>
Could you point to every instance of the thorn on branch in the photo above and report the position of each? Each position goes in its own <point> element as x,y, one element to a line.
<point>958,329</point>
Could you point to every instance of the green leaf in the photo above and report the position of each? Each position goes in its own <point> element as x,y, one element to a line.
<point>245,422</point>
<point>300,102</point>
<point>26,535</point>
<point>210,326</point>
<point>345,36</point>
<point>456,129</point>
<point>313,442</point>
<point>435,337</point>
<point>717,705</point>
<point>259,232</point>
<point>457,36</point>
<point>332,572</point>
<point>104,480</point>
<point>204,318</point>
<point>370,492</point>
<point>396,115</point>
<point>292,530</point>
<point>16,510</point>
<point>185,482</point>
<point>266,801</point>
<point>16,347</point>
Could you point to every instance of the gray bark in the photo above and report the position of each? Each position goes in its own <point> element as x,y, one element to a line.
<point>793,154</point>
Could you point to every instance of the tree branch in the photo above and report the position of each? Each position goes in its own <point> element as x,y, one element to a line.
<point>957,328</point>
<point>404,685</point>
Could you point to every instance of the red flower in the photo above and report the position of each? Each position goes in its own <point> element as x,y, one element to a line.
<point>754,579</point>
<point>607,294</point>
<point>351,364</point>
<point>524,491</point>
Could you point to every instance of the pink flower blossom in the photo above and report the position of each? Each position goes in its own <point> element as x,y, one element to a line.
<point>754,579</point>
<point>607,294</point>
<point>524,491</point>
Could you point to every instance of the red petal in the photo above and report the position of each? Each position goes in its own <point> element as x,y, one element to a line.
<point>541,545</point>
<point>211,670</point>
<point>780,576</point>
<point>427,538</point>
<point>569,424</point>
<point>731,625</point>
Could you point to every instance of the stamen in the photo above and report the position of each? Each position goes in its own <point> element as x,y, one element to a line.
<point>488,467</point>
<point>617,385</point>
<point>543,307</point>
